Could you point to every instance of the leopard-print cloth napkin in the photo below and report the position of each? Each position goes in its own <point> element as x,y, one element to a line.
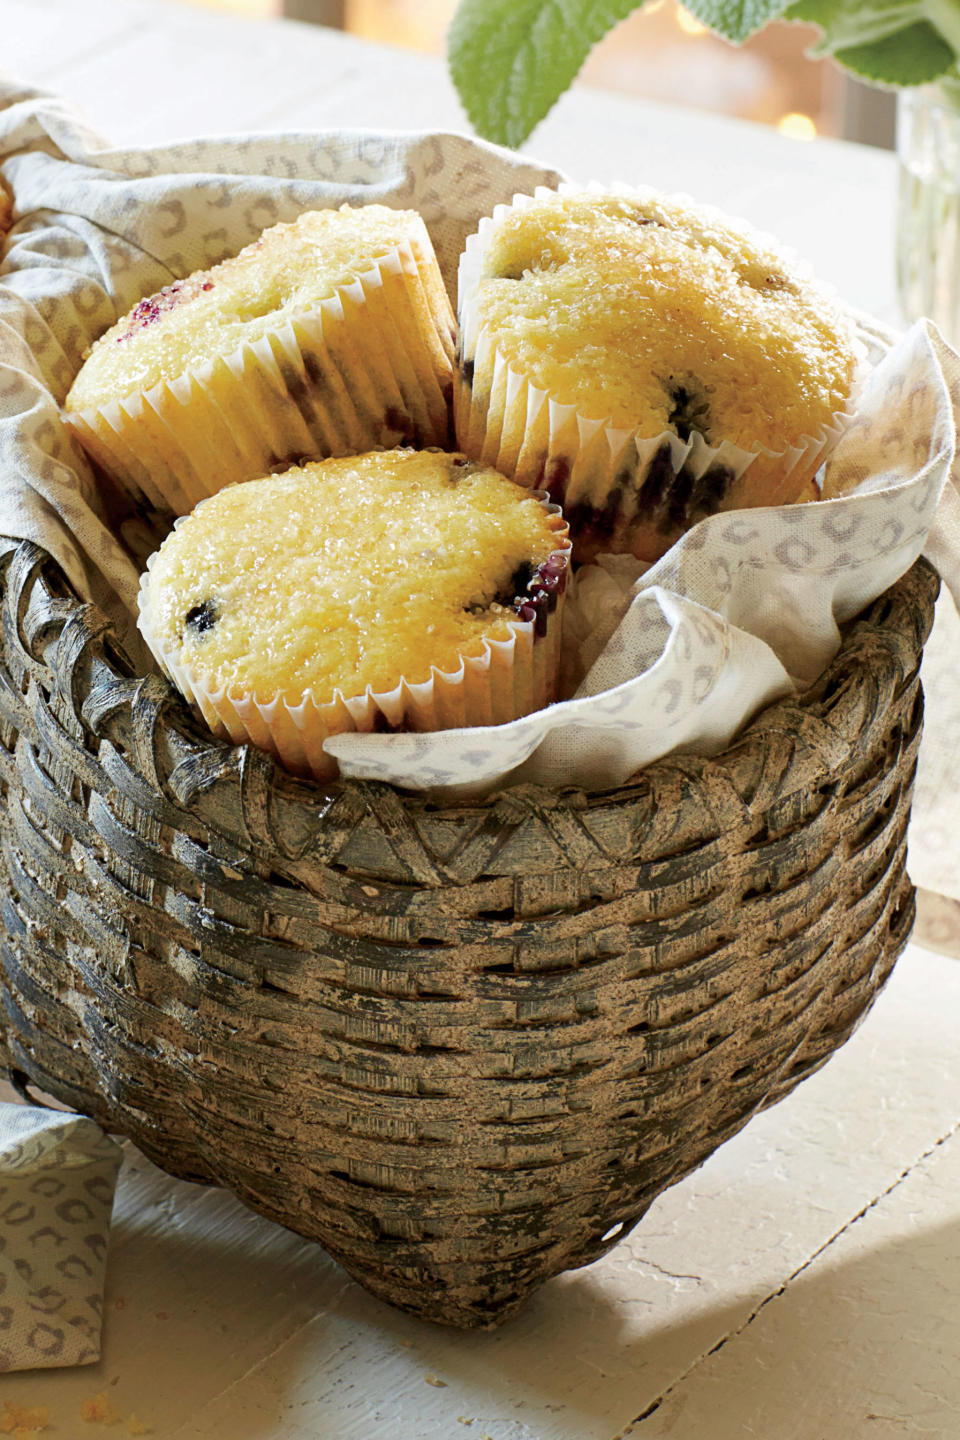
<point>57,1178</point>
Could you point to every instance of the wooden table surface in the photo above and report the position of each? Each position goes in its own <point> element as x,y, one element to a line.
<point>805,1283</point>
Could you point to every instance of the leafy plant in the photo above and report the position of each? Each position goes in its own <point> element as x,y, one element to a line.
<point>511,60</point>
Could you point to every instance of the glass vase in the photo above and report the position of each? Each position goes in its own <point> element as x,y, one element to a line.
<point>928,214</point>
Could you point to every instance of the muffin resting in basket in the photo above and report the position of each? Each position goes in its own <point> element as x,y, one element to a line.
<point>646,361</point>
<point>328,336</point>
<point>394,589</point>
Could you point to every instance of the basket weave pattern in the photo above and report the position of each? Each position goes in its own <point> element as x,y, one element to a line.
<point>464,1048</point>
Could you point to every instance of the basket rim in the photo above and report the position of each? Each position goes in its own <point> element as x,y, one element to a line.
<point>841,701</point>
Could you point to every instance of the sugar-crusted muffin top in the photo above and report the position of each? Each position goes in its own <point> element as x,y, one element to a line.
<point>657,315</point>
<point>281,276</point>
<point>348,573</point>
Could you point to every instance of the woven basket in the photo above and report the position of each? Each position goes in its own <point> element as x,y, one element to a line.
<point>462,1048</point>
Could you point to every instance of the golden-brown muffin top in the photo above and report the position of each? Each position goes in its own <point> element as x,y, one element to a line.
<point>349,573</point>
<point>655,314</point>
<point>282,276</point>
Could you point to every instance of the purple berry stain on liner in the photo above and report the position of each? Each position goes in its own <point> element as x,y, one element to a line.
<point>657,481</point>
<point>556,473</point>
<point>593,521</point>
<point>678,501</point>
<point>532,591</point>
<point>544,585</point>
<point>709,490</point>
<point>400,430</point>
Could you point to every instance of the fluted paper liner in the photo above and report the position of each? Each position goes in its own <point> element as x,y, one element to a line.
<point>370,366</point>
<point>621,492</point>
<point>497,680</point>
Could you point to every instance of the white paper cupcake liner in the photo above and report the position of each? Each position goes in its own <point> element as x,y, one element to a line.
<point>370,366</point>
<point>499,679</point>
<point>620,492</point>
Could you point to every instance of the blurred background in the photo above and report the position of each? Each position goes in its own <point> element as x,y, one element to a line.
<point>659,53</point>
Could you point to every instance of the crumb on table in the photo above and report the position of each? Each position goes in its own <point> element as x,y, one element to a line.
<point>98,1410</point>
<point>22,1421</point>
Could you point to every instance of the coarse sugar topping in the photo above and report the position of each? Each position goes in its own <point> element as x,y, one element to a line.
<point>654,314</point>
<point>349,573</point>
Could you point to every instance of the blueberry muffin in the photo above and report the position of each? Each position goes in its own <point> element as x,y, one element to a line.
<point>394,590</point>
<point>327,336</point>
<point>646,361</point>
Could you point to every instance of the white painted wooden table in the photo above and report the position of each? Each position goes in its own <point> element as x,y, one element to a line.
<point>805,1283</point>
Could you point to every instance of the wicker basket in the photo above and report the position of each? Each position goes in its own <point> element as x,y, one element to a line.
<point>462,1048</point>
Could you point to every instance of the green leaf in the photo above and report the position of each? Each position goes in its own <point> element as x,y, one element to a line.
<point>914,56</point>
<point>847,23</point>
<point>511,60</point>
<point>736,20</point>
<point>886,42</point>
